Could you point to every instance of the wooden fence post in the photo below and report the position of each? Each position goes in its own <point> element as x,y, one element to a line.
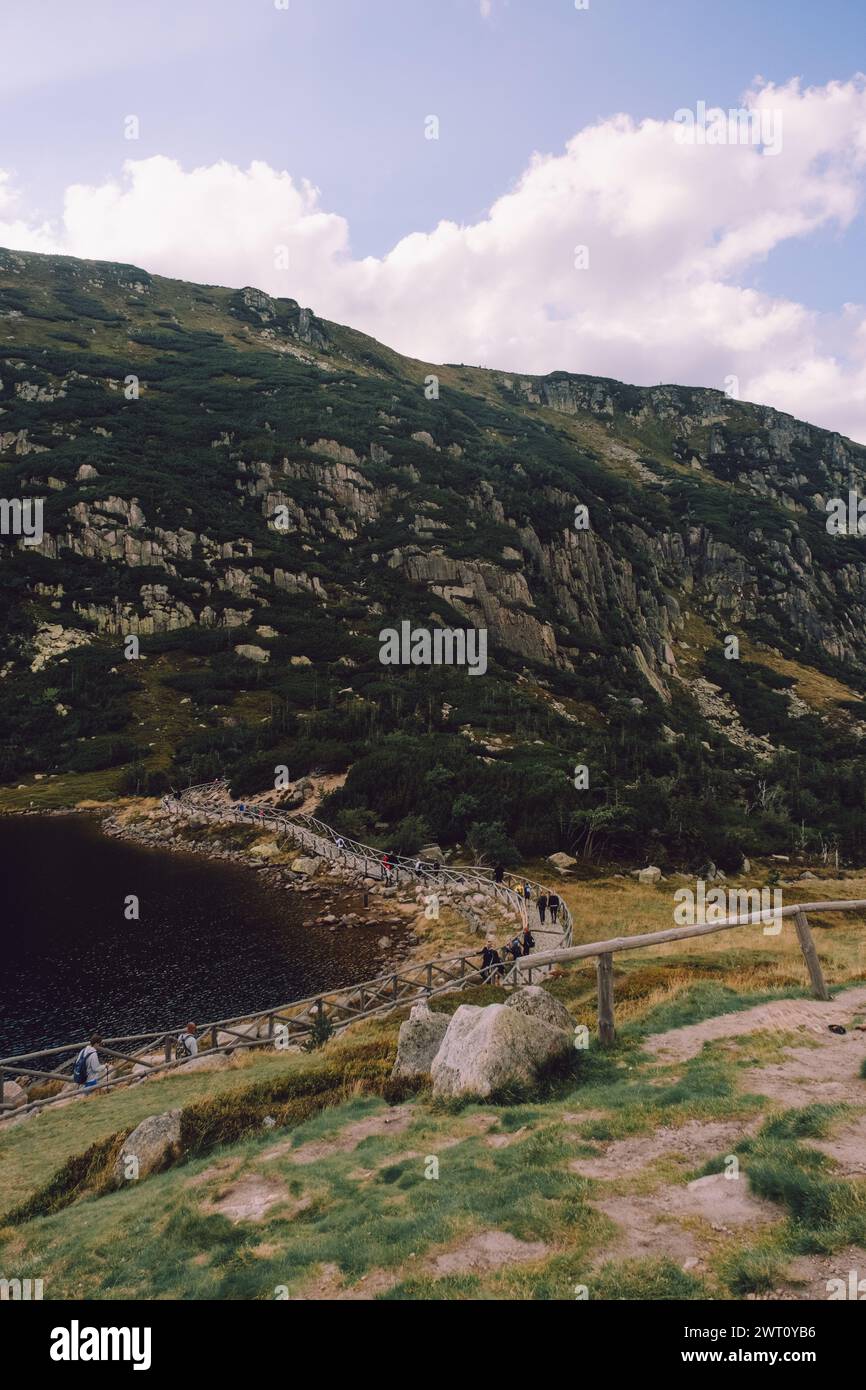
<point>810,954</point>
<point>606,1029</point>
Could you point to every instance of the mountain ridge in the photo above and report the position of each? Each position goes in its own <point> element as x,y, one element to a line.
<point>169,425</point>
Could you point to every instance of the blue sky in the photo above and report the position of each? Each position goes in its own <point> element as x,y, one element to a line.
<point>336,92</point>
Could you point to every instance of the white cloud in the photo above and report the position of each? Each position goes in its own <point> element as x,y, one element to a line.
<point>674,232</point>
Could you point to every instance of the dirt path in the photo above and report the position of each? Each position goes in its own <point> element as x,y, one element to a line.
<point>635,1185</point>
<point>784,1015</point>
<point>685,1222</point>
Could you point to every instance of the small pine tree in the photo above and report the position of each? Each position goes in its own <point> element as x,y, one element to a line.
<point>321,1031</point>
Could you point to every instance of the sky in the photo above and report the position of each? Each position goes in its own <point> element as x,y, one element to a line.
<point>523,184</point>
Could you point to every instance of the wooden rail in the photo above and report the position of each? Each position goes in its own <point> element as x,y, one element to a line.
<point>604,951</point>
<point>136,1056</point>
<point>143,1054</point>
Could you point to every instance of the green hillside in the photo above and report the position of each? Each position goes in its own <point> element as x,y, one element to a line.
<point>256,493</point>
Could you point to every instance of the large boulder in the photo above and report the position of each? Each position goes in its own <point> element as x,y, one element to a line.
<point>154,1145</point>
<point>485,1049</point>
<point>13,1094</point>
<point>214,1062</point>
<point>537,1003</point>
<point>561,860</point>
<point>306,864</point>
<point>420,1039</point>
<point>650,875</point>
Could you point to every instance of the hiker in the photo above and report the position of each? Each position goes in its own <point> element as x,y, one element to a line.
<point>87,1071</point>
<point>498,874</point>
<point>187,1043</point>
<point>386,870</point>
<point>515,946</point>
<point>541,904</point>
<point>487,957</point>
<point>527,891</point>
<point>553,907</point>
<point>340,842</point>
<point>528,941</point>
<point>419,869</point>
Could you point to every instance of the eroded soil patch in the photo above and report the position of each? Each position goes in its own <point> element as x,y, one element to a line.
<point>383,1122</point>
<point>788,1015</point>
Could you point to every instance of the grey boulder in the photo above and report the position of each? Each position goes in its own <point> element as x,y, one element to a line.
<point>537,1003</point>
<point>485,1049</point>
<point>152,1146</point>
<point>419,1040</point>
<point>306,864</point>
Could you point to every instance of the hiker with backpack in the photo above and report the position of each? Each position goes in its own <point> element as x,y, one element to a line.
<point>553,907</point>
<point>186,1044</point>
<point>489,958</point>
<point>528,941</point>
<point>87,1070</point>
<point>541,904</point>
<point>515,947</point>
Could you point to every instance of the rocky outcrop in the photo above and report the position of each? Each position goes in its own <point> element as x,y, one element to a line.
<point>52,640</point>
<point>343,488</point>
<point>486,595</point>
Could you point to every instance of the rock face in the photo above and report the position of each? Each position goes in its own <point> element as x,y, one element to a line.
<point>300,484</point>
<point>535,1002</point>
<point>419,1041</point>
<point>485,1049</point>
<point>153,1144</point>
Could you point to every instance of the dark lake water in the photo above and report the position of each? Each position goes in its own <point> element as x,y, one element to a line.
<point>213,940</point>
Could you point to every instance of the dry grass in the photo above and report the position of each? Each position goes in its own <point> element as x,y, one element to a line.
<point>818,690</point>
<point>610,907</point>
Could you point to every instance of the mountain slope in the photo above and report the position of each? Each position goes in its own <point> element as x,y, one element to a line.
<point>256,493</point>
